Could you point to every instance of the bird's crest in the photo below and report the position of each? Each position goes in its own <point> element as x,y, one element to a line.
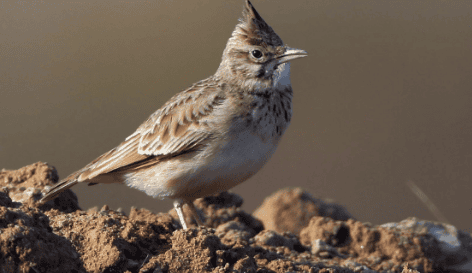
<point>253,30</point>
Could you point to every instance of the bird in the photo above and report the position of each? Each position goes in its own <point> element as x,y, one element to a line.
<point>213,135</point>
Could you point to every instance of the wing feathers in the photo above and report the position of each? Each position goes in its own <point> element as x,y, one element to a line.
<point>178,123</point>
<point>171,130</point>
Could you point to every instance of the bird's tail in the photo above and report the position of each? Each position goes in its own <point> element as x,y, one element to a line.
<point>57,189</point>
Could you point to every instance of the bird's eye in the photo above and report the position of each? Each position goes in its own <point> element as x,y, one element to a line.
<point>256,53</point>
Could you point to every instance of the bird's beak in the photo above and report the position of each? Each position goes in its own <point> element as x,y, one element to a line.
<point>291,54</point>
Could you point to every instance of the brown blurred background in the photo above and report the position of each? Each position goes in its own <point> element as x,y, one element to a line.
<point>384,96</point>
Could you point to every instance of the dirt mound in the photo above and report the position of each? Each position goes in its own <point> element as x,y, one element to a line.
<point>59,237</point>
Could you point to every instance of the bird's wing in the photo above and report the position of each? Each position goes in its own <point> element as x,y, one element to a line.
<point>179,126</point>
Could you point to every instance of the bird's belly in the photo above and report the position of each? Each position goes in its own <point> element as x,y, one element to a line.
<point>218,167</point>
<point>226,165</point>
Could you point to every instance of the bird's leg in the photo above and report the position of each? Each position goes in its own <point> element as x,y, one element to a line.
<point>178,208</point>
<point>196,216</point>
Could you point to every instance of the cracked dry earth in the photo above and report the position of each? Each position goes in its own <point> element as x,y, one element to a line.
<point>290,232</point>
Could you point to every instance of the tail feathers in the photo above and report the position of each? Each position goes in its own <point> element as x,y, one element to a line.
<point>57,189</point>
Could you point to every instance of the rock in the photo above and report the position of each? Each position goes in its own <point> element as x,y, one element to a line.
<point>218,209</point>
<point>444,244</point>
<point>290,209</point>
<point>28,184</point>
<point>234,233</point>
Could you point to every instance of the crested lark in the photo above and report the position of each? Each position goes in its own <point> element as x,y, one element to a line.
<point>213,135</point>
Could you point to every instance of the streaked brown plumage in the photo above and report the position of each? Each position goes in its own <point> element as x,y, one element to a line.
<point>212,136</point>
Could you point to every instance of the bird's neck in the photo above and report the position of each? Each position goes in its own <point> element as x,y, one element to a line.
<point>280,80</point>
